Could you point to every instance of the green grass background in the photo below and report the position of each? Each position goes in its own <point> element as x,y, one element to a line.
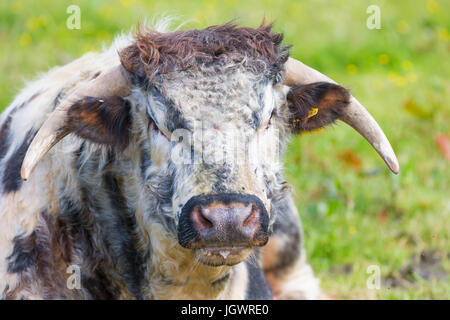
<point>354,211</point>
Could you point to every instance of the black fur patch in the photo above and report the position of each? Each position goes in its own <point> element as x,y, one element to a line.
<point>257,286</point>
<point>43,256</point>
<point>95,266</point>
<point>124,238</point>
<point>285,226</point>
<point>23,255</point>
<point>89,235</point>
<point>101,120</point>
<point>256,119</point>
<point>330,100</point>
<point>59,98</point>
<point>77,156</point>
<point>146,161</point>
<point>4,130</point>
<point>4,133</point>
<point>11,176</point>
<point>105,233</point>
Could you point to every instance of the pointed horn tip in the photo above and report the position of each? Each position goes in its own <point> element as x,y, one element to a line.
<point>24,174</point>
<point>393,164</point>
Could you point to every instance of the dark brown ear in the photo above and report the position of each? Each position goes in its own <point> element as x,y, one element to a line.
<point>101,120</point>
<point>316,105</point>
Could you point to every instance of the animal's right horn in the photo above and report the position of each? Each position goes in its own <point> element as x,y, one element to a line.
<point>356,115</point>
<point>113,82</point>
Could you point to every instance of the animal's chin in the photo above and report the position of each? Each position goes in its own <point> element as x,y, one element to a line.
<point>220,256</point>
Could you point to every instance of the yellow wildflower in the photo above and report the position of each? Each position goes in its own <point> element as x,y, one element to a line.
<point>411,77</point>
<point>432,6</point>
<point>383,58</point>
<point>443,35</point>
<point>16,7</point>
<point>407,65</point>
<point>25,39</point>
<point>352,69</point>
<point>402,27</point>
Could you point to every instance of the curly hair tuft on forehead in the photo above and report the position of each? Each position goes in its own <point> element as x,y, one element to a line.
<point>155,53</point>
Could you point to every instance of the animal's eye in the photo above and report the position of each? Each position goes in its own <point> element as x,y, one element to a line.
<point>154,127</point>
<point>274,113</point>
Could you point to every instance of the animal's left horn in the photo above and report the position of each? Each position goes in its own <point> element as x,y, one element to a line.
<point>110,83</point>
<point>356,115</point>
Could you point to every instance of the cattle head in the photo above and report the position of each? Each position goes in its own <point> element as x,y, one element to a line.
<point>218,106</point>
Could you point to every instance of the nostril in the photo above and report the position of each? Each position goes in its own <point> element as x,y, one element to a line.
<point>253,217</point>
<point>200,220</point>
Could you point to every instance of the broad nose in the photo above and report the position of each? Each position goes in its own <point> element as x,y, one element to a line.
<point>223,220</point>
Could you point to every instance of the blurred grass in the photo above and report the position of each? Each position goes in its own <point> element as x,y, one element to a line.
<point>355,213</point>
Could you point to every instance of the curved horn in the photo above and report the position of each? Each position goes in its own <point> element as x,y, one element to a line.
<point>109,83</point>
<point>356,116</point>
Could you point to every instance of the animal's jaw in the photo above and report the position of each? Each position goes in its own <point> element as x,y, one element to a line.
<point>220,256</point>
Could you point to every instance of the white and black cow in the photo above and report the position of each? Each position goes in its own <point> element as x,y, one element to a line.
<point>154,169</point>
